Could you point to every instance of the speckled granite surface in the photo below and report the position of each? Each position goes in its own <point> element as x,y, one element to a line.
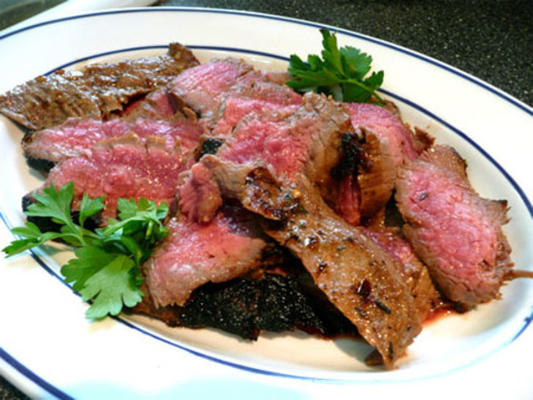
<point>492,40</point>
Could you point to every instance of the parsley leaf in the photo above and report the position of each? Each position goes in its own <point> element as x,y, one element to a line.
<point>339,73</point>
<point>106,268</point>
<point>111,287</point>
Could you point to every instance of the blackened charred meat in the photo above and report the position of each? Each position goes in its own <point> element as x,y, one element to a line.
<point>274,301</point>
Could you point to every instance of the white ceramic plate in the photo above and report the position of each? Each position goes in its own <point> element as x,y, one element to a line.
<point>49,349</point>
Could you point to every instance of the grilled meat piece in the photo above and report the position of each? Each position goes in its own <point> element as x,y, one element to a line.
<point>272,300</point>
<point>123,167</point>
<point>413,272</point>
<point>203,87</point>
<point>453,230</point>
<point>248,97</point>
<point>43,149</point>
<point>194,254</point>
<point>358,276</point>
<point>97,91</point>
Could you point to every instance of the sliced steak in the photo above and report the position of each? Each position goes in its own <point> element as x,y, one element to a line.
<point>194,254</point>
<point>202,88</point>
<point>97,91</point>
<point>252,97</point>
<point>123,167</point>
<point>305,141</point>
<point>160,104</point>
<point>358,276</point>
<point>414,273</point>
<point>385,144</point>
<point>75,136</point>
<point>454,231</point>
<point>387,126</point>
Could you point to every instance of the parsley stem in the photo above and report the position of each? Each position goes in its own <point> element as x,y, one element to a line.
<point>364,87</point>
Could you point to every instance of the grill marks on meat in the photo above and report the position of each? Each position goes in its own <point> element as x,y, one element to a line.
<point>360,278</point>
<point>303,141</point>
<point>194,254</point>
<point>97,91</point>
<point>76,136</point>
<point>123,167</point>
<point>454,231</point>
<point>413,272</point>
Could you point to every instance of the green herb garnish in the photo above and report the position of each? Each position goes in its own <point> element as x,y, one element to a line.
<point>106,268</point>
<point>339,73</point>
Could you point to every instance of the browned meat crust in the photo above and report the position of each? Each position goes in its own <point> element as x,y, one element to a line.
<point>98,91</point>
<point>360,278</point>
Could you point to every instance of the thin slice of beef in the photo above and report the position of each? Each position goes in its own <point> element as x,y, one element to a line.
<point>248,97</point>
<point>304,141</point>
<point>97,91</point>
<point>194,254</point>
<point>75,136</point>
<point>159,104</point>
<point>203,87</point>
<point>122,168</point>
<point>414,273</point>
<point>358,276</point>
<point>387,126</point>
<point>385,144</point>
<point>453,230</point>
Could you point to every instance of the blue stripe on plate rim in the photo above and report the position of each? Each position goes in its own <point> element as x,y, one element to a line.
<point>412,53</point>
<point>527,320</point>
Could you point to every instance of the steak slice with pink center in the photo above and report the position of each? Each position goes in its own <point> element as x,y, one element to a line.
<point>122,168</point>
<point>385,144</point>
<point>194,254</point>
<point>249,97</point>
<point>201,87</point>
<point>388,128</point>
<point>306,140</point>
<point>75,136</point>
<point>453,230</point>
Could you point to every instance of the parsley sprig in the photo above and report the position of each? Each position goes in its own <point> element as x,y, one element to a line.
<point>106,268</point>
<point>339,73</point>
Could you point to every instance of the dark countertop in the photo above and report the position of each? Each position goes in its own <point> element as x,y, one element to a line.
<point>492,40</point>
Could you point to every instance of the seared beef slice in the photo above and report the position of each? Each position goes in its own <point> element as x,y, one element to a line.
<point>194,254</point>
<point>358,276</point>
<point>76,135</point>
<point>123,167</point>
<point>385,144</point>
<point>413,272</point>
<point>454,231</point>
<point>97,91</point>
